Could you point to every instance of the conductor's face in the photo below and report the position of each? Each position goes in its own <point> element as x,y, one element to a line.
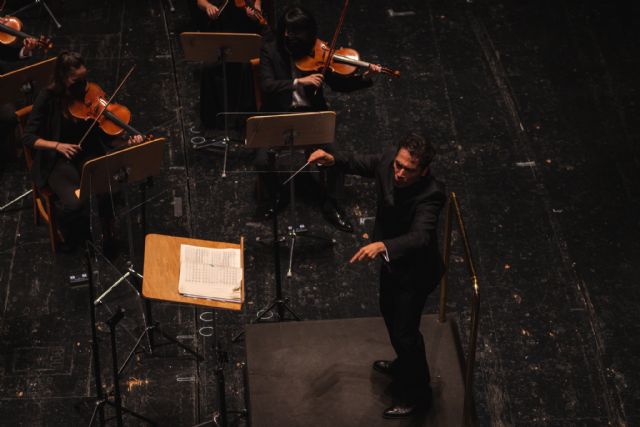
<point>406,169</point>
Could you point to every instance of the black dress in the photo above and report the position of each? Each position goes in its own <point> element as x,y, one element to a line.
<point>240,90</point>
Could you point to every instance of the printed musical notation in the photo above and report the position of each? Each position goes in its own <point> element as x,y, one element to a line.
<point>210,273</point>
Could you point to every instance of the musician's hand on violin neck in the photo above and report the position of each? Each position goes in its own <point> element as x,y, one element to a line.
<point>67,150</point>
<point>135,139</point>
<point>311,80</point>
<point>375,68</point>
<point>251,14</point>
<point>29,45</point>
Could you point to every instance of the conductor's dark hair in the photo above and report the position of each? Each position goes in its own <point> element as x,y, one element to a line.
<point>419,148</point>
<point>299,24</point>
<point>66,63</point>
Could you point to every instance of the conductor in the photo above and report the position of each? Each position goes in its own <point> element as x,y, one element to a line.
<point>409,201</point>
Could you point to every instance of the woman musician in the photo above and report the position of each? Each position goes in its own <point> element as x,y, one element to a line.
<point>53,134</point>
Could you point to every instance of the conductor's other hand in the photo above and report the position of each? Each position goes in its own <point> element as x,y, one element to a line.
<point>311,80</point>
<point>211,11</point>
<point>322,158</point>
<point>68,150</point>
<point>135,139</point>
<point>370,251</point>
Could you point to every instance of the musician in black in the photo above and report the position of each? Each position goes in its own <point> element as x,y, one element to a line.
<point>53,134</point>
<point>223,16</point>
<point>285,88</point>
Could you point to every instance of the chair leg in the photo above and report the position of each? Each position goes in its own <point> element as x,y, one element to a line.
<point>34,193</point>
<point>52,227</point>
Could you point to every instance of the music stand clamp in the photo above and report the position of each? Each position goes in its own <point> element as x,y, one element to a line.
<point>284,132</point>
<point>224,48</point>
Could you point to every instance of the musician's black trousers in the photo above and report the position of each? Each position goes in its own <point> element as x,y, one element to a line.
<point>72,214</point>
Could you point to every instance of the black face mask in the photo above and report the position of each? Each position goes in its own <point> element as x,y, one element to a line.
<point>77,89</point>
<point>297,46</point>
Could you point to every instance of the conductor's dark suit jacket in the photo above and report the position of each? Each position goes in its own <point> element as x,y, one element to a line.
<point>407,229</point>
<point>276,80</point>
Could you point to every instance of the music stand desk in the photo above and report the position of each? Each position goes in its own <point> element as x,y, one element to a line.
<point>162,270</point>
<point>38,74</point>
<point>207,47</point>
<point>139,161</point>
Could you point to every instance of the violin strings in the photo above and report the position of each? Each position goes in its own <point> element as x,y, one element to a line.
<point>95,120</point>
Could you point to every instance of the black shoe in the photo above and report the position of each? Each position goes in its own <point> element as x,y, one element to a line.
<point>383,366</point>
<point>400,411</point>
<point>338,219</point>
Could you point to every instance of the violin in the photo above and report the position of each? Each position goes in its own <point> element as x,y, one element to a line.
<point>250,4</point>
<point>10,30</point>
<point>113,120</point>
<point>344,61</point>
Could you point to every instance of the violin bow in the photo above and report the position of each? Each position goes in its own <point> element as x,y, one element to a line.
<point>332,48</point>
<point>95,120</point>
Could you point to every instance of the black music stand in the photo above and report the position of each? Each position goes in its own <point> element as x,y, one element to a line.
<point>43,4</point>
<point>116,170</point>
<point>101,398</point>
<point>224,48</point>
<point>23,85</point>
<point>285,132</point>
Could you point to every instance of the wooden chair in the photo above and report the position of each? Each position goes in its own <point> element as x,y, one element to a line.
<point>42,198</point>
<point>255,71</point>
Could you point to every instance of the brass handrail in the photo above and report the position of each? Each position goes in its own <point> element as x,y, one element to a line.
<point>469,362</point>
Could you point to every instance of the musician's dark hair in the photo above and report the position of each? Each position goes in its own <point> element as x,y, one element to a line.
<point>418,147</point>
<point>299,23</point>
<point>66,62</point>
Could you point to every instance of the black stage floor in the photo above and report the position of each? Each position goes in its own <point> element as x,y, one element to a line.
<point>318,373</point>
<point>533,108</point>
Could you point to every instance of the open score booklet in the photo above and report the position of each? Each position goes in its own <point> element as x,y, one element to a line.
<point>210,273</point>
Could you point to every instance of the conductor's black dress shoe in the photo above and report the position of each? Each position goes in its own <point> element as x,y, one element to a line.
<point>400,411</point>
<point>383,366</point>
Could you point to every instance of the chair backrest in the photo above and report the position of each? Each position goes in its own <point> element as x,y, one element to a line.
<point>23,115</point>
<point>255,71</point>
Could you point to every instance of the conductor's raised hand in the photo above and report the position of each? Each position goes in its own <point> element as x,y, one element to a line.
<point>369,251</point>
<point>322,158</point>
<point>67,150</point>
<point>311,80</point>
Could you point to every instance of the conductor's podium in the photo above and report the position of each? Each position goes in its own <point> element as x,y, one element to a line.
<point>318,373</point>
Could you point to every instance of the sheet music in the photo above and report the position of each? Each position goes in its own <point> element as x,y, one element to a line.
<point>210,273</point>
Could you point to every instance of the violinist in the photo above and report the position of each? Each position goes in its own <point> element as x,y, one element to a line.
<point>54,135</point>
<point>228,17</point>
<point>225,16</point>
<point>285,88</point>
